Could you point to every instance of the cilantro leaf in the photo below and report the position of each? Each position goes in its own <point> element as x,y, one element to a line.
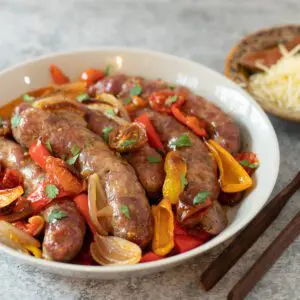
<point>128,143</point>
<point>153,159</point>
<point>15,120</point>
<point>107,70</point>
<point>125,211</point>
<point>75,149</point>
<point>51,191</point>
<point>171,100</point>
<point>56,215</point>
<point>105,132</point>
<point>83,97</point>
<point>183,181</point>
<point>110,112</point>
<point>171,86</point>
<point>48,146</point>
<point>200,197</point>
<point>28,98</point>
<point>136,90</point>
<point>181,141</point>
<point>246,163</point>
<point>127,101</point>
<point>71,161</point>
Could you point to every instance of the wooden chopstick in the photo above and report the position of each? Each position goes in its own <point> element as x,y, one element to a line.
<point>223,263</point>
<point>266,260</point>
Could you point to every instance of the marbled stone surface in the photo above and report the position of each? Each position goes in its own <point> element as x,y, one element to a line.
<point>201,30</point>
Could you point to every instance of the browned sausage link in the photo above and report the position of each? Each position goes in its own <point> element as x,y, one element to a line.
<point>65,230</point>
<point>201,173</point>
<point>12,156</point>
<point>66,129</point>
<point>151,175</point>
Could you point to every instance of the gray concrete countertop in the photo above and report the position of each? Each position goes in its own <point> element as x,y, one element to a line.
<point>203,31</point>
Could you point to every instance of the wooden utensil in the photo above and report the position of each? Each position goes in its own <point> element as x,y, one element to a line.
<point>222,264</point>
<point>266,260</point>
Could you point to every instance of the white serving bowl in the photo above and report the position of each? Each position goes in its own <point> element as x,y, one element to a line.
<point>256,127</point>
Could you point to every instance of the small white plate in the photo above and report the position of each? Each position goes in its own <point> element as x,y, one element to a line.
<point>257,130</point>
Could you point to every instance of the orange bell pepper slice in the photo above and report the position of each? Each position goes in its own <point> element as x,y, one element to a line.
<point>163,238</point>
<point>136,102</point>
<point>57,75</point>
<point>10,195</point>
<point>175,168</point>
<point>34,226</point>
<point>233,177</point>
<point>91,76</point>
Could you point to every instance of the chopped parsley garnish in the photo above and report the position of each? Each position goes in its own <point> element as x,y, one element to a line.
<point>153,159</point>
<point>128,143</point>
<point>48,146</point>
<point>181,141</point>
<point>110,112</point>
<point>51,191</point>
<point>127,101</point>
<point>171,86</point>
<point>83,97</point>
<point>171,100</point>
<point>183,181</point>
<point>56,215</point>
<point>71,161</point>
<point>28,98</point>
<point>136,90</point>
<point>15,120</point>
<point>107,70</point>
<point>200,197</point>
<point>106,131</point>
<point>125,211</point>
<point>246,163</point>
<point>75,149</point>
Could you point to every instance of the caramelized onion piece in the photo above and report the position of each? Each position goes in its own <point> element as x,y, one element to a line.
<point>128,138</point>
<point>112,250</point>
<point>8,196</point>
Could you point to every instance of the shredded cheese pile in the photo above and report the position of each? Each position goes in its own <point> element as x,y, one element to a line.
<point>279,84</point>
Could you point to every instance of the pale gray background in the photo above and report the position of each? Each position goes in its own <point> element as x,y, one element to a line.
<point>201,30</point>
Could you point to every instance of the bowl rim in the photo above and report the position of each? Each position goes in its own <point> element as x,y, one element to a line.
<point>169,261</point>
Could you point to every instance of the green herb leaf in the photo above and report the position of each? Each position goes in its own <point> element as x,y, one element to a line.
<point>171,100</point>
<point>183,181</point>
<point>201,197</point>
<point>128,143</point>
<point>51,191</point>
<point>247,164</point>
<point>181,141</point>
<point>153,159</point>
<point>107,70</point>
<point>172,86</point>
<point>136,90</point>
<point>127,101</point>
<point>56,215</point>
<point>75,149</point>
<point>28,98</point>
<point>110,112</point>
<point>15,121</point>
<point>106,131</point>
<point>71,161</point>
<point>48,146</point>
<point>83,97</point>
<point>125,211</point>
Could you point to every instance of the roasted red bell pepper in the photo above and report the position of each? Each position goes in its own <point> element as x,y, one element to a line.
<point>192,122</point>
<point>11,178</point>
<point>57,75</point>
<point>38,152</point>
<point>91,76</point>
<point>150,256</point>
<point>152,135</point>
<point>248,160</point>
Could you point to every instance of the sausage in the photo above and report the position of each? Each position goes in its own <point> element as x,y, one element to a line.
<point>64,231</point>
<point>150,175</point>
<point>13,156</point>
<point>226,131</point>
<point>63,130</point>
<point>201,174</point>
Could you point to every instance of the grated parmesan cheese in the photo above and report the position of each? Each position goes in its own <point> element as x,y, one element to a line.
<point>279,84</point>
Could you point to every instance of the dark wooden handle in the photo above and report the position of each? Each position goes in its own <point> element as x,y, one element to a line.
<point>222,264</point>
<point>266,260</point>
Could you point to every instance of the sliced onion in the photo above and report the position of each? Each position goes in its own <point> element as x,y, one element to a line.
<point>97,201</point>
<point>112,100</point>
<point>112,250</point>
<point>16,238</point>
<point>106,211</point>
<point>8,196</point>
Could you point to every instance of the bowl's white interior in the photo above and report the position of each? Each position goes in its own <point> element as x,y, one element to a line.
<point>257,132</point>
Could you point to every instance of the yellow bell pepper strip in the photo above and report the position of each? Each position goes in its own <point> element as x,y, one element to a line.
<point>8,196</point>
<point>175,181</point>
<point>35,251</point>
<point>163,238</point>
<point>233,177</point>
